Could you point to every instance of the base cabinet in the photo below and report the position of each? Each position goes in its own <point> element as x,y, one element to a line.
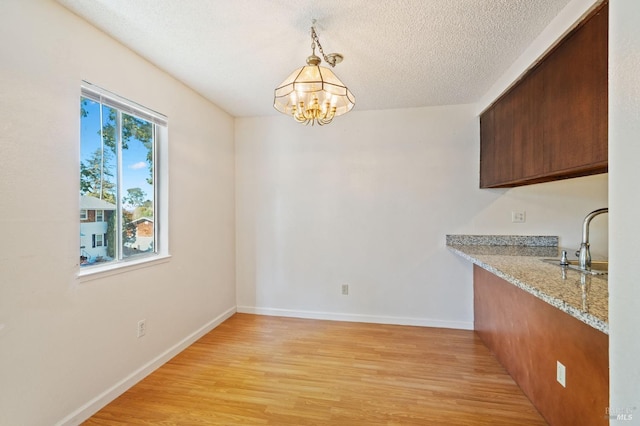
<point>528,337</point>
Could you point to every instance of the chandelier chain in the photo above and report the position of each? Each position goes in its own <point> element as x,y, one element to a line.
<point>315,40</point>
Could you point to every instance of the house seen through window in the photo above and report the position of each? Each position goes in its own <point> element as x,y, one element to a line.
<point>118,184</point>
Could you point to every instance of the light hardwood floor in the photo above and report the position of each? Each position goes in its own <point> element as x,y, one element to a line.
<point>261,370</point>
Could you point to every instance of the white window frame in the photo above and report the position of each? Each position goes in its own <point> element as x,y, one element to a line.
<point>101,215</point>
<point>83,214</point>
<point>161,187</point>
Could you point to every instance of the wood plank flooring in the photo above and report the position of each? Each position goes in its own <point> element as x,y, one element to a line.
<point>261,370</point>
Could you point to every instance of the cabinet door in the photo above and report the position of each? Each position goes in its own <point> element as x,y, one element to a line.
<point>503,133</point>
<point>575,101</point>
<point>528,147</point>
<point>511,147</point>
<point>496,139</point>
<point>487,149</point>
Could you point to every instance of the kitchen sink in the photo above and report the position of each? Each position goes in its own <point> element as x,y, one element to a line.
<point>598,267</point>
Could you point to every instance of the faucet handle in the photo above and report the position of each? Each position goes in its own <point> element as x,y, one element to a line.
<point>563,260</point>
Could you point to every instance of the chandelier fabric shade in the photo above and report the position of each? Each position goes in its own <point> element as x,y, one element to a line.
<point>312,93</point>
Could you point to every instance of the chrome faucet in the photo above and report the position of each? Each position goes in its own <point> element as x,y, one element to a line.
<point>584,254</point>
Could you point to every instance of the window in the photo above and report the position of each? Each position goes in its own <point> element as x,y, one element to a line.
<point>119,186</point>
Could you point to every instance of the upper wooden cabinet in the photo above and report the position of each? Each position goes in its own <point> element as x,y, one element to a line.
<point>553,123</point>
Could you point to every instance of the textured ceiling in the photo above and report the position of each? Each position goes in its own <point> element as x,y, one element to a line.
<point>398,53</point>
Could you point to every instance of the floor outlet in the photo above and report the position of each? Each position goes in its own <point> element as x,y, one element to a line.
<point>518,216</point>
<point>561,375</point>
<point>345,289</point>
<point>142,327</point>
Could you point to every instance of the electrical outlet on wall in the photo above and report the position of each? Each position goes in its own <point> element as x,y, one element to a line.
<point>561,374</point>
<point>142,327</point>
<point>345,289</point>
<point>518,216</point>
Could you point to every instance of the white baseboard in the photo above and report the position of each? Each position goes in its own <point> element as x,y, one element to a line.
<point>377,319</point>
<point>94,405</point>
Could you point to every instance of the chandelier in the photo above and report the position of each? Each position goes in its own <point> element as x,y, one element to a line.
<point>313,94</point>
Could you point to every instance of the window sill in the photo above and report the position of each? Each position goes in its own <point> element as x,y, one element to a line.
<point>99,272</point>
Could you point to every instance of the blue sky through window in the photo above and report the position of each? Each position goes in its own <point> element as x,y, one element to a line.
<point>135,168</point>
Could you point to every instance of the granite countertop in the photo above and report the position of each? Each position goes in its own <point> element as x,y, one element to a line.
<point>517,260</point>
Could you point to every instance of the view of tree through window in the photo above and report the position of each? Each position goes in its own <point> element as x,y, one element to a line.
<point>117,152</point>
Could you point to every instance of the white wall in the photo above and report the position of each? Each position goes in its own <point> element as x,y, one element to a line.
<point>367,201</point>
<point>624,154</point>
<point>64,343</point>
